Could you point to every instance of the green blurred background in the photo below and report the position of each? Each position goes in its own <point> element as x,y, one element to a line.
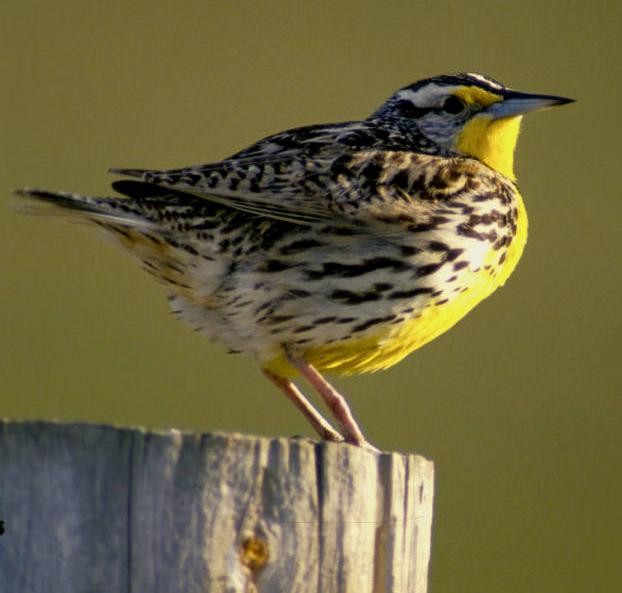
<point>519,405</point>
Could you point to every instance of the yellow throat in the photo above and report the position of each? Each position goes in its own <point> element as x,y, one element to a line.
<point>491,141</point>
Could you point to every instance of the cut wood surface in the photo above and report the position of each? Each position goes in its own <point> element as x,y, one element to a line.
<point>89,508</point>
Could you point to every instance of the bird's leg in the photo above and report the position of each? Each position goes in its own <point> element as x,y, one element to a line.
<point>319,423</point>
<point>335,401</point>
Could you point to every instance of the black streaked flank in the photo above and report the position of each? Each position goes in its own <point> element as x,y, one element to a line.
<point>408,250</point>
<point>429,269</point>
<point>501,242</point>
<point>343,320</point>
<point>438,246</point>
<point>323,320</point>
<point>297,293</point>
<point>354,270</point>
<point>280,318</point>
<point>466,230</point>
<point>354,298</point>
<point>424,227</point>
<point>402,217</point>
<point>275,265</point>
<point>299,245</point>
<point>453,254</point>
<point>407,294</point>
<point>189,249</point>
<point>343,231</point>
<point>371,322</point>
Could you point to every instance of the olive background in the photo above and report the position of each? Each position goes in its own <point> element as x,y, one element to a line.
<point>519,405</point>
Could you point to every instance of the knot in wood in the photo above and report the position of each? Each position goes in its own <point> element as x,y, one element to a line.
<point>254,553</point>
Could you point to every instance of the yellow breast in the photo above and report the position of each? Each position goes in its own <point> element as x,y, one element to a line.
<point>393,342</point>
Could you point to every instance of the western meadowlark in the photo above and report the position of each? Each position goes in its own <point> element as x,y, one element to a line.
<point>339,247</point>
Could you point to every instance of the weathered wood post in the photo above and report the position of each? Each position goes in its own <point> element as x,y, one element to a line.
<point>100,509</point>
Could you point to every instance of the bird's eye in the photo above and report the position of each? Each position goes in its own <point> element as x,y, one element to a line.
<point>453,105</point>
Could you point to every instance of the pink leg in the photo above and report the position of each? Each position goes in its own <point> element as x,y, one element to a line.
<point>335,401</point>
<point>319,423</point>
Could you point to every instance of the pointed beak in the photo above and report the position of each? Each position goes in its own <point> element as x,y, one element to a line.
<point>515,103</point>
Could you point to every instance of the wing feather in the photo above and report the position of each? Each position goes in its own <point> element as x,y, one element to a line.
<point>290,176</point>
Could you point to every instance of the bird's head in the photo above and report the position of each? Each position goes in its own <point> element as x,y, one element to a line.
<point>465,115</point>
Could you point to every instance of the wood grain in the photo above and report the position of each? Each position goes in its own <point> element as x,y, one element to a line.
<point>90,508</point>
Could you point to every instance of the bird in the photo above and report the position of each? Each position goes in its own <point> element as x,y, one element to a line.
<point>335,248</point>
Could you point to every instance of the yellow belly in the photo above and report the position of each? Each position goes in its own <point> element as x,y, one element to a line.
<point>393,342</point>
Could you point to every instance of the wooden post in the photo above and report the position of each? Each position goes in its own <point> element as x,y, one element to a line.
<point>90,509</point>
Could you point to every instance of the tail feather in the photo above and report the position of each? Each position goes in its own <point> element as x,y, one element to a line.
<point>80,208</point>
<point>151,224</point>
<point>129,172</point>
<point>178,237</point>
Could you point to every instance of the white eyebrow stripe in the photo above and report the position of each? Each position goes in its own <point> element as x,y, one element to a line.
<point>485,80</point>
<point>426,96</point>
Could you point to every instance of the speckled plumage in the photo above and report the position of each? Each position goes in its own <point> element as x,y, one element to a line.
<point>345,246</point>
